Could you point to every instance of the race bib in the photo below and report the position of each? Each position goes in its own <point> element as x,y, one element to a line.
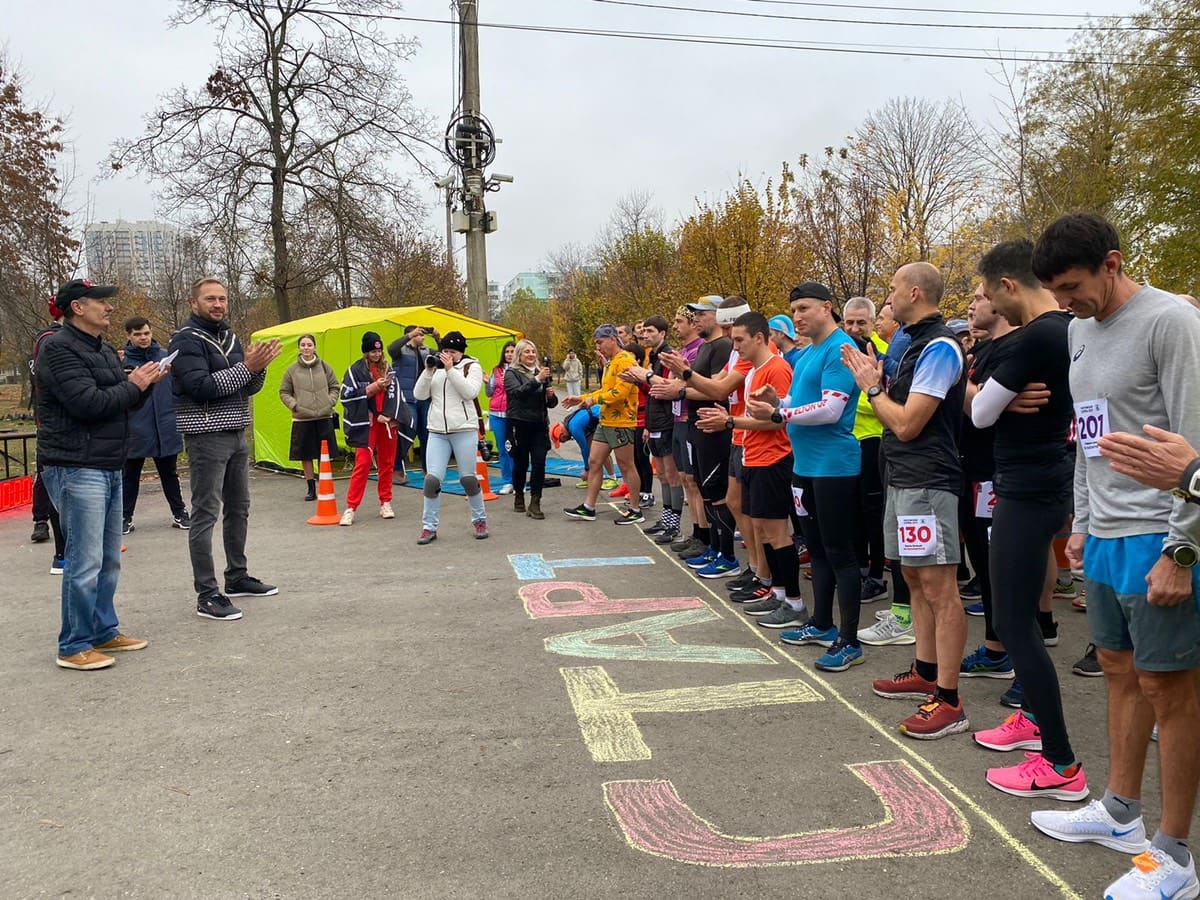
<point>655,435</point>
<point>1091,424</point>
<point>677,408</point>
<point>985,499</point>
<point>918,535</point>
<point>798,501</point>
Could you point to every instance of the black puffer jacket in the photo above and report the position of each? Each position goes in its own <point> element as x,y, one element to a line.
<point>83,402</point>
<point>212,384</point>
<point>527,397</point>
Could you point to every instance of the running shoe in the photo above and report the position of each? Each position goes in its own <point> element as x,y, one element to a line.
<point>689,546</point>
<point>935,719</point>
<point>622,491</point>
<point>1088,666</point>
<point>809,633</point>
<point>874,589</point>
<point>580,512</point>
<point>743,578</point>
<point>719,568</point>
<point>1092,824</point>
<point>582,484</point>
<point>480,529</point>
<point>1050,634</point>
<point>841,656</point>
<point>608,484</point>
<point>751,595</point>
<point>630,517</point>
<point>980,665</point>
<point>784,616</point>
<point>1014,697</point>
<point>657,528</point>
<point>974,609</point>
<point>670,536</point>
<point>1036,777</point>
<point>886,631</point>
<point>1065,588</point>
<point>906,685</point>
<point>1015,733</point>
<point>1155,876</point>
<point>708,557</point>
<point>763,607</point>
<point>1080,602</point>
<point>970,590</point>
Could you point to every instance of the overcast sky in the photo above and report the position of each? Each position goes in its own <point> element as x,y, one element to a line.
<point>585,120</point>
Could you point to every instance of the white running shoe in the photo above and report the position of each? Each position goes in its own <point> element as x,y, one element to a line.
<point>347,517</point>
<point>506,489</point>
<point>385,511</point>
<point>887,630</point>
<point>1092,824</point>
<point>1155,876</point>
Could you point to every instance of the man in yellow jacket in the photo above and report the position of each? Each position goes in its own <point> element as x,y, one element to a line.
<point>618,422</point>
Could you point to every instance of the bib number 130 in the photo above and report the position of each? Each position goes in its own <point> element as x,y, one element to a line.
<point>918,535</point>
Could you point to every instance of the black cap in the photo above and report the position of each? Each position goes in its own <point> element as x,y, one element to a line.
<point>454,341</point>
<point>80,288</point>
<point>810,289</point>
<point>371,341</point>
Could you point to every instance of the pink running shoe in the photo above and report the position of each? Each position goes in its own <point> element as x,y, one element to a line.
<point>1017,733</point>
<point>1036,777</point>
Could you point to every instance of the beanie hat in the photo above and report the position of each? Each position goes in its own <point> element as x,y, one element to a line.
<point>371,341</point>
<point>454,341</point>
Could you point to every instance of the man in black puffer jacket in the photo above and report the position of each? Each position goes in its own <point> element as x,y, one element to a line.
<point>83,403</point>
<point>214,380</point>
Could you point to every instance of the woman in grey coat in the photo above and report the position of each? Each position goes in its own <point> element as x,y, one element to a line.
<point>310,389</point>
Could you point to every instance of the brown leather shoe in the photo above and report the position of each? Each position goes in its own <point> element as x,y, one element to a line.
<point>121,642</point>
<point>85,660</point>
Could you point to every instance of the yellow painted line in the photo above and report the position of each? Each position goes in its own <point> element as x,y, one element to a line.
<point>1010,840</point>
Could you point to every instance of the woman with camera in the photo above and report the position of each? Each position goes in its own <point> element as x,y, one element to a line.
<point>451,383</point>
<point>498,415</point>
<point>529,397</point>
<point>310,390</point>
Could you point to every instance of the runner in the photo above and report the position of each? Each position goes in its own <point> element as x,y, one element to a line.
<point>819,414</point>
<point>659,429</point>
<point>1137,546</point>
<point>1034,472</point>
<point>921,413</point>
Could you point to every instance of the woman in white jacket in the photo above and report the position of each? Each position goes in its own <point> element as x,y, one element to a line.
<point>451,382</point>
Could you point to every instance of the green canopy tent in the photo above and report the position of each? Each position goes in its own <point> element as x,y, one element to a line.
<point>339,343</point>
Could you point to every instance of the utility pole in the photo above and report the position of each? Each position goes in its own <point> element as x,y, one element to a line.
<point>473,186</point>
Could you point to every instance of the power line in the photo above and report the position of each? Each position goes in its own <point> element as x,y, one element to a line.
<point>889,24</point>
<point>1017,56</point>
<point>930,9</point>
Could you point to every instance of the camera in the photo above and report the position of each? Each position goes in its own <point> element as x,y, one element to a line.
<point>486,453</point>
<point>546,361</point>
<point>433,362</point>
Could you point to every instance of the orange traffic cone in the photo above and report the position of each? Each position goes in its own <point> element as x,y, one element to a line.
<point>481,472</point>
<point>327,512</point>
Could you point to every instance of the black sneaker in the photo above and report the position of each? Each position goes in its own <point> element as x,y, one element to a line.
<point>41,532</point>
<point>742,579</point>
<point>647,501</point>
<point>1088,666</point>
<point>127,527</point>
<point>970,590</point>
<point>217,607</point>
<point>873,589</point>
<point>657,528</point>
<point>182,521</point>
<point>685,542</point>
<point>250,587</point>
<point>750,595</point>
<point>670,536</point>
<point>630,517</point>
<point>694,547</point>
<point>763,607</point>
<point>1050,634</point>
<point>580,512</point>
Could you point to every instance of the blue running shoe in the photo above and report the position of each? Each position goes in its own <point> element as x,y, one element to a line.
<point>980,665</point>
<point>809,633</point>
<point>975,609</point>
<point>841,656</point>
<point>719,568</point>
<point>1014,697</point>
<point>708,557</point>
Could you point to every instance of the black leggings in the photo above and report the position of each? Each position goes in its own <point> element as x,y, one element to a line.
<point>975,537</point>
<point>829,532</point>
<point>168,478</point>
<point>1022,532</point>
<point>530,443</point>
<point>870,509</point>
<point>641,461</point>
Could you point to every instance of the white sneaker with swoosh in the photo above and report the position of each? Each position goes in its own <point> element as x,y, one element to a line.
<point>1092,824</point>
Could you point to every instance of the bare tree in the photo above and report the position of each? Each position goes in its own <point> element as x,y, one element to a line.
<point>300,95</point>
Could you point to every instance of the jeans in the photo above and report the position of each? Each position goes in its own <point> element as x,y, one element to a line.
<point>168,477</point>
<point>220,474</point>
<point>420,425</point>
<point>464,445</point>
<point>500,430</point>
<point>89,505</point>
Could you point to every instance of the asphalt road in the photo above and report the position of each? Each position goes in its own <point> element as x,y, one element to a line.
<point>407,721</point>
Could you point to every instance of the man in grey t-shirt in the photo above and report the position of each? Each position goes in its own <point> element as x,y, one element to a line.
<point>1133,355</point>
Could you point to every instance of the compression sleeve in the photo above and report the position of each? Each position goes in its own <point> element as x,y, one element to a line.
<point>825,411</point>
<point>992,399</point>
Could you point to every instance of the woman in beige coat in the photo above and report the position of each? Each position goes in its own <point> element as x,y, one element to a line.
<point>310,389</point>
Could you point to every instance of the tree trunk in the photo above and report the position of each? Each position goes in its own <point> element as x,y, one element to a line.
<point>279,239</point>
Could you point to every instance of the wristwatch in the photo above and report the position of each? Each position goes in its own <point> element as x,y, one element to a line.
<point>729,424</point>
<point>874,391</point>
<point>1189,484</point>
<point>777,417</point>
<point>682,394</point>
<point>687,373</point>
<point>1183,555</point>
